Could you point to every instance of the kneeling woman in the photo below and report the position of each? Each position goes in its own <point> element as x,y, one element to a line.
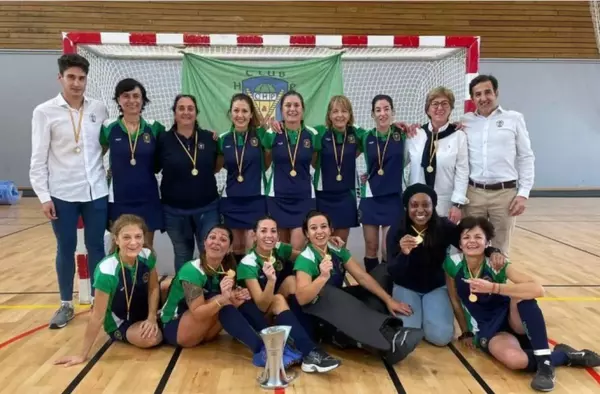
<point>365,312</point>
<point>266,272</point>
<point>127,292</point>
<point>202,301</point>
<point>493,314</point>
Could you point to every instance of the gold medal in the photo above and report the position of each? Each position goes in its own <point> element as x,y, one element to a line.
<point>240,179</point>
<point>338,164</point>
<point>132,162</point>
<point>338,177</point>
<point>132,144</point>
<point>194,172</point>
<point>77,149</point>
<point>429,169</point>
<point>187,152</point>
<point>472,297</point>
<point>76,130</point>
<point>418,239</point>
<point>380,155</point>
<point>293,172</point>
<point>239,160</point>
<point>380,171</point>
<point>272,260</point>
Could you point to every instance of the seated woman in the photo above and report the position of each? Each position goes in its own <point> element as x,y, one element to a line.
<point>128,315</point>
<point>202,301</point>
<point>493,313</point>
<point>365,313</point>
<point>266,272</point>
<point>417,247</point>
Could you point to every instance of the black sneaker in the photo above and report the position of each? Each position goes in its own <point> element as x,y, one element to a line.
<point>579,358</point>
<point>319,361</point>
<point>544,377</point>
<point>403,340</point>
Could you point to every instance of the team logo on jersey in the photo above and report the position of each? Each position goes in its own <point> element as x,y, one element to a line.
<point>306,143</point>
<point>93,118</point>
<point>201,145</point>
<point>396,136</point>
<point>351,139</point>
<point>500,123</point>
<point>146,277</point>
<point>266,92</point>
<point>146,138</point>
<point>254,141</point>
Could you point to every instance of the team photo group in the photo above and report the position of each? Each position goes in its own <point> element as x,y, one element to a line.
<point>269,245</point>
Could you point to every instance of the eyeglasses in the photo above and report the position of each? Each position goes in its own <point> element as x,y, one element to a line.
<point>443,104</point>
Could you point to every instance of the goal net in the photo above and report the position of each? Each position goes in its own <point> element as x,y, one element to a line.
<point>405,68</point>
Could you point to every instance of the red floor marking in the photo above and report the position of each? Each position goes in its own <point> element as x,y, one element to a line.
<point>590,371</point>
<point>280,390</point>
<point>27,333</point>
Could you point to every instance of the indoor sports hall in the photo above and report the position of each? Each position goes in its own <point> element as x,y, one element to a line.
<point>545,55</point>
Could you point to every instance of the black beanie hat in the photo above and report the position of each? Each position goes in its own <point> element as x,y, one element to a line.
<point>416,189</point>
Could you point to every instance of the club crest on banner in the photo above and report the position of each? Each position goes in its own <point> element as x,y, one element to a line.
<point>266,92</point>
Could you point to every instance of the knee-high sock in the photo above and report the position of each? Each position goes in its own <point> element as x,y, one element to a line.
<point>305,320</point>
<point>371,263</point>
<point>238,327</point>
<point>255,317</point>
<point>557,358</point>
<point>535,328</point>
<point>301,338</point>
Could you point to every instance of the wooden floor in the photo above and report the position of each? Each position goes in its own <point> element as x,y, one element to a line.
<point>556,240</point>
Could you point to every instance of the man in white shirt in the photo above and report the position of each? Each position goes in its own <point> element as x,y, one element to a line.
<point>501,160</point>
<point>68,176</point>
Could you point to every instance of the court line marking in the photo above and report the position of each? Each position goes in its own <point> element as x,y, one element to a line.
<point>471,370</point>
<point>394,376</point>
<point>591,371</point>
<point>167,374</point>
<point>41,306</point>
<point>23,229</point>
<point>29,332</point>
<point>559,241</point>
<point>90,364</point>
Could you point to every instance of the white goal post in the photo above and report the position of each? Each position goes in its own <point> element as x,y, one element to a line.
<point>404,67</point>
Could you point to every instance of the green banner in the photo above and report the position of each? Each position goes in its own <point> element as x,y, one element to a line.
<point>213,82</point>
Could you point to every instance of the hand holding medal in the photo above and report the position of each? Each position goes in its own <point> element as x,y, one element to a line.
<point>269,269</point>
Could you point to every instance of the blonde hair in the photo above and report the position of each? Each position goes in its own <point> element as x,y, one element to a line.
<point>345,103</point>
<point>120,224</point>
<point>440,91</point>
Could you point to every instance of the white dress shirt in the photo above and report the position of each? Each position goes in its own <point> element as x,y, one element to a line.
<point>500,149</point>
<point>452,167</point>
<point>56,169</point>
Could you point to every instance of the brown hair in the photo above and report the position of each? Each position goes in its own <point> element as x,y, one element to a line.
<point>345,104</point>
<point>228,261</point>
<point>120,224</point>
<point>255,121</point>
<point>440,91</point>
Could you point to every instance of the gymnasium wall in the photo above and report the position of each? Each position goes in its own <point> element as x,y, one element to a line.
<point>544,54</point>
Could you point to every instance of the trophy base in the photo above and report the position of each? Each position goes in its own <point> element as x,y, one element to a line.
<point>266,382</point>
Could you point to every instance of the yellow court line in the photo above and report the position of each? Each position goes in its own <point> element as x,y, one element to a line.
<point>40,306</point>
<point>572,299</point>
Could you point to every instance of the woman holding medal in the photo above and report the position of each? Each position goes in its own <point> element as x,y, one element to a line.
<point>267,273</point>
<point>187,156</point>
<point>320,272</point>
<point>291,194</point>
<point>202,301</point>
<point>439,155</point>
<point>417,247</point>
<point>243,200</point>
<point>504,318</point>
<point>131,143</point>
<point>380,196</point>
<point>127,292</point>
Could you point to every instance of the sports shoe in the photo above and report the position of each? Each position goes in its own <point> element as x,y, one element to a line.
<point>62,316</point>
<point>260,359</point>
<point>579,358</point>
<point>291,357</point>
<point>544,377</point>
<point>319,361</point>
<point>403,340</point>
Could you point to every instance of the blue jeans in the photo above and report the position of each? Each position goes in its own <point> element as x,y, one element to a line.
<point>95,216</point>
<point>182,228</point>
<point>431,311</point>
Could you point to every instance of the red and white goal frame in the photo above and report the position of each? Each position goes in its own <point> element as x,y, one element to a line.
<point>405,67</point>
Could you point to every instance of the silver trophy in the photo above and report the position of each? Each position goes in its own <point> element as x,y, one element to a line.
<point>274,375</point>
